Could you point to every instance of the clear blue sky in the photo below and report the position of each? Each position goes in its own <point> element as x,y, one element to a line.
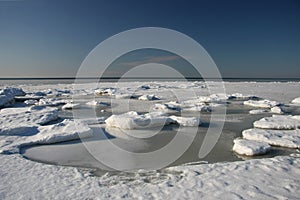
<point>254,38</point>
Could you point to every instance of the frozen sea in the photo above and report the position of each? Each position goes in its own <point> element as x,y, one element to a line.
<point>60,166</point>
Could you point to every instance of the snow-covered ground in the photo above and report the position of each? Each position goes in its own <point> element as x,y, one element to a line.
<point>36,121</point>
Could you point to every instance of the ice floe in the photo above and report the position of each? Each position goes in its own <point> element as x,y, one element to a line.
<point>97,103</point>
<point>52,102</point>
<point>148,97</point>
<point>283,138</point>
<point>31,102</point>
<point>70,106</point>
<point>241,97</point>
<point>277,110</point>
<point>281,122</point>
<point>258,111</point>
<point>250,147</point>
<point>133,120</point>
<point>261,103</point>
<point>105,91</point>
<point>186,121</point>
<point>296,100</point>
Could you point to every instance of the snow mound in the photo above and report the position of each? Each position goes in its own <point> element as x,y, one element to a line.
<point>7,95</point>
<point>283,138</point>
<point>296,100</point>
<point>15,121</point>
<point>261,103</point>
<point>64,131</point>
<point>97,103</point>
<point>280,122</point>
<point>133,120</point>
<point>148,97</point>
<point>277,110</point>
<point>250,147</point>
<point>70,106</point>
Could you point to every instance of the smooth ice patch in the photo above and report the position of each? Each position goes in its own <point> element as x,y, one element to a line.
<point>250,147</point>
<point>283,138</point>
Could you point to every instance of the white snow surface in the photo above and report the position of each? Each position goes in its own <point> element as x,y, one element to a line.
<point>273,178</point>
<point>250,147</point>
<point>283,138</point>
<point>280,122</point>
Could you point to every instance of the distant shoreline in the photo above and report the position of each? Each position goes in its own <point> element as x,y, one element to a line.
<point>155,78</point>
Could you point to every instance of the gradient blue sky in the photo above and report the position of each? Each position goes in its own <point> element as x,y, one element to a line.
<point>254,38</point>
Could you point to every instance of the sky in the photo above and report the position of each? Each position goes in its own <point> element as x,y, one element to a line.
<point>246,39</point>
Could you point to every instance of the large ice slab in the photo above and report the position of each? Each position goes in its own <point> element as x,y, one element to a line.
<point>18,121</point>
<point>250,147</point>
<point>283,138</point>
<point>281,122</point>
<point>63,131</point>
